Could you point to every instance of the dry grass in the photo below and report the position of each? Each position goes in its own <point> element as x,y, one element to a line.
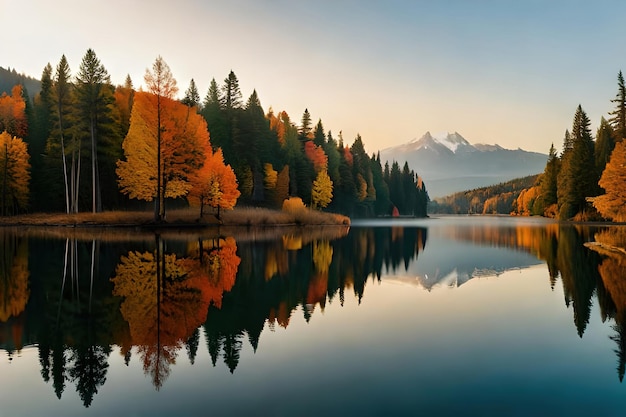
<point>179,217</point>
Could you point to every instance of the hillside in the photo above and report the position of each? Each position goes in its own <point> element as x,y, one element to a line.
<point>496,199</point>
<point>10,77</point>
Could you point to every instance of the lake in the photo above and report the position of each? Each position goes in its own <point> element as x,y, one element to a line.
<point>449,316</point>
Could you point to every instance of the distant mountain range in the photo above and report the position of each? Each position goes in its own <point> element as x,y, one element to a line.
<point>448,163</point>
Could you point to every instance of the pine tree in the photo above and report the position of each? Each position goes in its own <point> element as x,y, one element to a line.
<point>192,97</point>
<point>319,138</point>
<point>604,145</point>
<point>618,119</point>
<point>38,137</point>
<point>548,185</point>
<point>578,176</point>
<point>94,95</point>
<point>305,126</point>
<point>231,94</point>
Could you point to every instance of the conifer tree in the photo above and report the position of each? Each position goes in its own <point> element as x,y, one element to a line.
<point>94,97</point>
<point>618,119</point>
<point>548,185</point>
<point>192,97</point>
<point>231,94</point>
<point>578,176</point>
<point>604,145</point>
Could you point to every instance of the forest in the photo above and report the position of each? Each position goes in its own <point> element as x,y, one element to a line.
<point>81,144</point>
<point>584,182</point>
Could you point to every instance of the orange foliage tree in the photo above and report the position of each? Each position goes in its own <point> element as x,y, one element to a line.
<point>14,174</point>
<point>612,205</point>
<point>13,113</point>
<point>215,184</point>
<point>183,137</point>
<point>316,155</point>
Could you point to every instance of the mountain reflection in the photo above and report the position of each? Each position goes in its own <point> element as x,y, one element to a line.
<point>154,298</point>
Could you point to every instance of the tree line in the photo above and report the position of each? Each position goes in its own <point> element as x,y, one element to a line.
<point>93,146</point>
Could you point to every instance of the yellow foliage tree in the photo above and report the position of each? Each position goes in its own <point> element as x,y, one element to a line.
<point>612,205</point>
<point>183,137</point>
<point>322,192</point>
<point>14,174</point>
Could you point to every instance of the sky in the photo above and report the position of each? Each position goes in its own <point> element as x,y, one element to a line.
<point>510,72</point>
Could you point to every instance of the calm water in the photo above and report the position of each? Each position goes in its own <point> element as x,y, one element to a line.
<point>446,316</point>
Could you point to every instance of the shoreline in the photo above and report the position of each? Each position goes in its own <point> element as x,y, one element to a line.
<point>178,219</point>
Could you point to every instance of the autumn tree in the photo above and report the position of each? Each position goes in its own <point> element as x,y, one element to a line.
<point>13,113</point>
<point>322,192</point>
<point>612,205</point>
<point>94,98</point>
<point>182,136</point>
<point>14,174</point>
<point>214,184</point>
<point>161,83</point>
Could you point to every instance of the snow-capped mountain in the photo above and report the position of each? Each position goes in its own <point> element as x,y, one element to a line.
<point>448,163</point>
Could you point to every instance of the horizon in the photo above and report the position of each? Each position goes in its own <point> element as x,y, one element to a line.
<point>508,73</point>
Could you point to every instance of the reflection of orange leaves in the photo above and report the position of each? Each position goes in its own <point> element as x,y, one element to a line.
<point>217,268</point>
<point>281,316</point>
<point>170,313</point>
<point>322,255</point>
<point>318,285</point>
<point>14,291</point>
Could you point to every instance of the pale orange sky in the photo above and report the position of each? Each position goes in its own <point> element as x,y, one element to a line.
<point>505,72</point>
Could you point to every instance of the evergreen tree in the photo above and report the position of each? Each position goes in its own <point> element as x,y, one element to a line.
<point>231,94</point>
<point>618,119</point>
<point>63,140</point>
<point>39,135</point>
<point>305,126</point>
<point>548,185</point>
<point>578,177</point>
<point>604,145</point>
<point>94,94</point>
<point>319,138</point>
<point>192,97</point>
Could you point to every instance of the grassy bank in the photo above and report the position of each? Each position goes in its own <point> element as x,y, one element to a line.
<point>180,217</point>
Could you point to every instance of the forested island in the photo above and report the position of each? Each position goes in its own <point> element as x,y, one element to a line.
<point>81,144</point>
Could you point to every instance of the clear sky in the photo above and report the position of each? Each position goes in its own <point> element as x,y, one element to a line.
<point>496,71</point>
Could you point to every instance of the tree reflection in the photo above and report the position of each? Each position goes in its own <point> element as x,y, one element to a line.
<point>166,294</point>
<point>166,298</point>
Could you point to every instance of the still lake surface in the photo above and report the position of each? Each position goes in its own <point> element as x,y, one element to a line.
<point>442,316</point>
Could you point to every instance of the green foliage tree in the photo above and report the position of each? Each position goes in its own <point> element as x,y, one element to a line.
<point>604,144</point>
<point>578,177</point>
<point>548,183</point>
<point>94,100</point>
<point>618,115</point>
<point>192,97</point>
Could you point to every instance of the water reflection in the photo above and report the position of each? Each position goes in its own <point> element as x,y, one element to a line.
<point>157,296</point>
